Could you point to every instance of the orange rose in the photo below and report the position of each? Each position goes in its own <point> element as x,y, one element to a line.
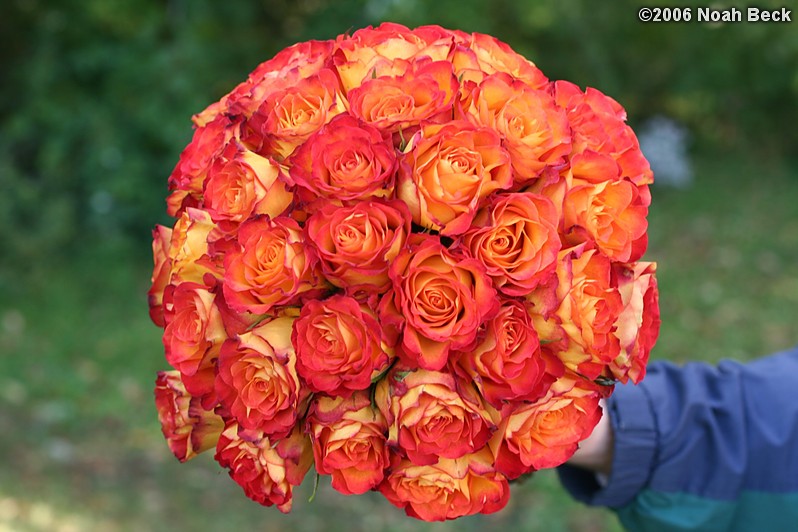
<point>516,238</point>
<point>604,146</point>
<point>288,117</point>
<point>610,213</point>
<point>161,273</point>
<point>448,170</point>
<point>270,266</point>
<point>546,433</point>
<point>507,364</point>
<point>190,173</point>
<point>193,334</point>
<point>241,184</point>
<point>438,301</point>
<point>432,415</point>
<point>257,382</point>
<point>348,441</point>
<point>188,249</point>
<point>267,470</point>
<point>638,325</point>
<point>582,328</point>
<point>534,129</point>
<point>339,345</point>
<point>345,161</point>
<point>387,51</point>
<point>393,103</point>
<point>449,489</point>
<point>284,70</point>
<point>356,244</point>
<point>188,428</point>
<point>483,55</point>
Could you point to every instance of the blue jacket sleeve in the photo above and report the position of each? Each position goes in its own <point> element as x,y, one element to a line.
<point>700,447</point>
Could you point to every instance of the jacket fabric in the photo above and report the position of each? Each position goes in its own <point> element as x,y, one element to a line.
<point>702,448</point>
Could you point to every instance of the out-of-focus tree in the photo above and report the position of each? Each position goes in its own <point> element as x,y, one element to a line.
<point>96,95</point>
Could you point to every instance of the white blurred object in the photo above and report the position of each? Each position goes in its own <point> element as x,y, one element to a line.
<point>664,143</point>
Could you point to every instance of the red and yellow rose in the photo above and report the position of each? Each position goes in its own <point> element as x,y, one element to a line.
<point>349,442</point>
<point>340,346</point>
<point>188,428</point>
<point>437,303</point>
<point>546,433</point>
<point>270,266</point>
<point>448,170</point>
<point>357,244</point>
<point>257,383</point>
<point>448,489</point>
<point>433,414</point>
<point>515,237</point>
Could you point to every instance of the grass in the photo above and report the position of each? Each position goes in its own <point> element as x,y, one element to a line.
<point>82,445</point>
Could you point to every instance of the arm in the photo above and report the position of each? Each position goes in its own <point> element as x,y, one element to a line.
<point>698,448</point>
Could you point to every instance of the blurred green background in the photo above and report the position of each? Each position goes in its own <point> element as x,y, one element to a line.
<point>95,107</point>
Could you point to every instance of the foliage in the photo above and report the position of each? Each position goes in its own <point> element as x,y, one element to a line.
<point>97,94</point>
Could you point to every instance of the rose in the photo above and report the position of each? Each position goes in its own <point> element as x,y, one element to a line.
<point>193,335</point>
<point>610,213</point>
<point>270,266</point>
<point>432,414</point>
<point>288,117</point>
<point>448,489</point>
<point>638,324</point>
<point>189,250</point>
<point>257,383</point>
<point>482,55</point>
<point>447,170</point>
<point>546,433</point>
<point>285,69</point>
<point>507,364</point>
<point>241,183</point>
<point>267,470</point>
<point>161,272</point>
<point>438,301</point>
<point>516,238</point>
<point>339,345</point>
<point>582,327</point>
<point>348,437</point>
<point>189,174</point>
<point>388,50</point>
<point>188,428</point>
<point>356,244</point>
<point>425,91</point>
<point>345,161</point>
<point>534,129</point>
<point>604,146</point>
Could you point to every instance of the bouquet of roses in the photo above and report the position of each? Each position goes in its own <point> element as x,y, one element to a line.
<point>404,257</point>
